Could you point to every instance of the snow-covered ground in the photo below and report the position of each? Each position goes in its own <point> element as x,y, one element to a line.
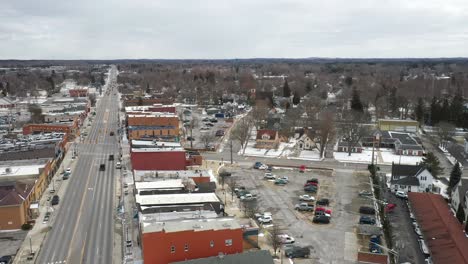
<point>442,186</point>
<point>381,156</point>
<point>250,150</point>
<point>308,155</point>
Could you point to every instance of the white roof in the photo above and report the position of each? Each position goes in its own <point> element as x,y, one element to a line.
<point>151,143</point>
<point>192,224</point>
<point>166,216</point>
<point>174,149</point>
<point>142,175</point>
<point>179,198</point>
<point>20,170</point>
<point>152,114</point>
<point>164,184</point>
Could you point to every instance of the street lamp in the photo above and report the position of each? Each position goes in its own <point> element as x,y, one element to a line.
<point>375,137</point>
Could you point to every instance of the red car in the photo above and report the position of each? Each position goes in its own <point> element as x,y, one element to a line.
<point>327,211</point>
<point>311,183</point>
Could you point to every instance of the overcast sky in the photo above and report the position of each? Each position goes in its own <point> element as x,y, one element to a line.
<point>217,29</point>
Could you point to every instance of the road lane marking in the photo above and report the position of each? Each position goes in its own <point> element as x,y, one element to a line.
<point>80,211</point>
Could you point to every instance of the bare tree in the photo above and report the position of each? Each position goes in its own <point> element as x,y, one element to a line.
<point>36,113</point>
<point>259,113</point>
<point>207,139</point>
<point>92,99</point>
<point>445,131</point>
<point>232,184</point>
<point>250,208</point>
<point>353,129</point>
<point>241,132</point>
<point>274,238</point>
<point>326,133</point>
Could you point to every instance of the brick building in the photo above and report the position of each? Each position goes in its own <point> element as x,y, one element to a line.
<point>49,128</point>
<point>155,159</point>
<point>170,241</point>
<point>162,126</point>
<point>78,92</point>
<point>15,199</point>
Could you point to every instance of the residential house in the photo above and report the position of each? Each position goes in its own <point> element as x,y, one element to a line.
<point>267,139</point>
<point>411,178</point>
<point>305,139</point>
<point>460,195</point>
<point>343,146</point>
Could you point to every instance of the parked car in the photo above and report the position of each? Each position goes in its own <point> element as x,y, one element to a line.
<point>311,184</point>
<point>240,188</point>
<point>418,231</point>
<point>213,120</point>
<point>260,166</point>
<point>209,124</point>
<point>286,239</point>
<point>205,128</point>
<point>266,219</point>
<point>321,219</point>
<point>366,210</point>
<point>68,171</point>
<point>304,207</point>
<point>285,178</point>
<point>281,182</point>
<point>313,180</point>
<point>190,138</point>
<point>248,197</point>
<point>366,220</point>
<point>310,188</point>
<point>297,252</point>
<point>111,133</point>
<point>205,119</point>
<point>55,200</point>
<point>241,193</point>
<point>323,202</point>
<point>306,197</point>
<point>118,165</point>
<point>322,213</point>
<point>364,193</point>
<point>219,133</point>
<point>269,176</point>
<point>401,194</point>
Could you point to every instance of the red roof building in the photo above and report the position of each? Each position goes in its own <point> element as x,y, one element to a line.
<point>14,204</point>
<point>442,232</point>
<point>157,159</point>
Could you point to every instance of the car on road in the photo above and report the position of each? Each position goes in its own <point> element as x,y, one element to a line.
<point>401,194</point>
<point>281,182</point>
<point>46,218</point>
<point>266,219</point>
<point>286,239</point>
<point>307,198</point>
<point>321,219</point>
<point>118,165</point>
<point>190,138</point>
<point>55,200</point>
<point>68,171</point>
<point>366,210</point>
<point>102,167</point>
<point>269,176</point>
<point>323,202</point>
<point>366,220</point>
<point>418,231</point>
<point>297,252</point>
<point>111,133</point>
<point>303,207</point>
<point>310,189</point>
<point>111,157</point>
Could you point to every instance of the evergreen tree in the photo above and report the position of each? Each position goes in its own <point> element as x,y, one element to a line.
<point>308,87</point>
<point>286,89</point>
<point>356,104</point>
<point>419,111</point>
<point>461,213</point>
<point>435,111</point>
<point>456,109</point>
<point>455,176</point>
<point>445,110</point>
<point>432,164</point>
<point>296,98</point>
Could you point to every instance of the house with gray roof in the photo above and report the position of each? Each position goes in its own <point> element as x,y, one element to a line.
<point>411,178</point>
<point>459,196</point>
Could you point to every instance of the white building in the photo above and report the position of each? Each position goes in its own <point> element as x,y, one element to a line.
<point>460,195</point>
<point>411,178</point>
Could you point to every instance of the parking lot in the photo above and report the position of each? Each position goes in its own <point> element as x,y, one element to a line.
<point>204,130</point>
<point>335,242</point>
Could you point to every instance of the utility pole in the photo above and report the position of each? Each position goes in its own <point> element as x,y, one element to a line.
<point>231,151</point>
<point>30,244</point>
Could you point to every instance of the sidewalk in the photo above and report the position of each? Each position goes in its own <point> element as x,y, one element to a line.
<point>38,233</point>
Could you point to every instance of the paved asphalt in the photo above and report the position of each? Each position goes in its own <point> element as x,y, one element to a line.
<point>83,228</point>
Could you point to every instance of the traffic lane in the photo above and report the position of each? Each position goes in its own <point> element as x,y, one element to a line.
<point>404,237</point>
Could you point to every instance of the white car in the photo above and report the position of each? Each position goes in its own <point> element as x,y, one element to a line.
<point>307,198</point>
<point>68,170</point>
<point>263,167</point>
<point>266,219</point>
<point>286,239</point>
<point>269,176</point>
<point>401,194</point>
<point>284,178</point>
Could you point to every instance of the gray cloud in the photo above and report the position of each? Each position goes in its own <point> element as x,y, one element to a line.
<point>109,29</point>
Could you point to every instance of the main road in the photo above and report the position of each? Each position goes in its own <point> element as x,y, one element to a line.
<point>82,231</point>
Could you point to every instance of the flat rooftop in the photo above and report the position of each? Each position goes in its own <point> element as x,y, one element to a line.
<point>158,150</point>
<point>196,225</point>
<point>441,230</point>
<point>152,114</point>
<point>24,170</point>
<point>174,199</point>
<point>160,184</point>
<point>151,175</point>
<point>167,216</point>
<point>405,138</point>
<point>155,144</point>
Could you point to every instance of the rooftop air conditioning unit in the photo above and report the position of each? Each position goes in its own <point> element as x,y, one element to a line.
<point>7,170</point>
